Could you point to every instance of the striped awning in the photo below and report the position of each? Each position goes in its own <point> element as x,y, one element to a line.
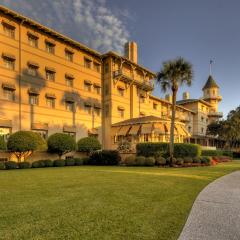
<point>158,128</point>
<point>33,91</point>
<point>69,75</point>
<point>180,130</point>
<point>97,85</point>
<point>8,86</point>
<point>50,95</point>
<point>50,69</point>
<point>9,56</point>
<point>167,127</point>
<point>33,64</point>
<point>87,82</point>
<point>147,128</point>
<point>123,130</point>
<point>134,129</point>
<point>187,133</point>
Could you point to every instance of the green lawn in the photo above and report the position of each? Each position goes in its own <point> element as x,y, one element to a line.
<point>97,203</point>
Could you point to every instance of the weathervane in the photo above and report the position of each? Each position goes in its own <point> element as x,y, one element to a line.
<point>210,67</point>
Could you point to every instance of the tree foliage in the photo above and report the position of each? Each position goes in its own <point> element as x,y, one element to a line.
<point>228,129</point>
<point>22,144</point>
<point>3,145</point>
<point>88,144</point>
<point>61,143</point>
<point>173,74</point>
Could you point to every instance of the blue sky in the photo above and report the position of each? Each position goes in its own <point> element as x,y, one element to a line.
<point>197,30</point>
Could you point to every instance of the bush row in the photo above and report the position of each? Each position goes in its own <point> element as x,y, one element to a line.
<point>162,149</point>
<point>161,161</point>
<point>44,163</point>
<point>217,153</point>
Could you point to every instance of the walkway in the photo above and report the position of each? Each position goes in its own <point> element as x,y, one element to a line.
<point>216,212</point>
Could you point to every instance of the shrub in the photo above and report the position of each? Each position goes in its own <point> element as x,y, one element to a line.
<point>48,163</point>
<point>3,145</point>
<point>217,153</point>
<point>174,160</point>
<point>130,160</point>
<point>105,157</point>
<point>41,142</point>
<point>11,165</point>
<point>149,161</point>
<point>38,164</point>
<point>59,163</point>
<point>2,165</point>
<point>124,146</point>
<point>180,149</point>
<point>179,161</point>
<point>197,160</point>
<point>140,160</point>
<point>85,160</point>
<point>61,143</point>
<point>69,162</point>
<point>160,161</point>
<point>22,144</point>
<point>78,161</point>
<point>88,144</point>
<point>188,160</point>
<point>205,160</point>
<point>24,165</point>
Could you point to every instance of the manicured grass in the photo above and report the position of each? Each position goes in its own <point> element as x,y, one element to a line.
<point>109,203</point>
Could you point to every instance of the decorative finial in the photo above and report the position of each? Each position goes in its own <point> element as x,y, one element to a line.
<point>210,67</point>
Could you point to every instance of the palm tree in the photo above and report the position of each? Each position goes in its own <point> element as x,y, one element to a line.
<point>173,74</point>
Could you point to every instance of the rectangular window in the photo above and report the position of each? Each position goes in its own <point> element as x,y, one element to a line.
<point>69,82</point>
<point>120,92</point>
<point>87,87</point>
<point>69,56</point>
<point>32,70</point>
<point>9,30</point>
<point>154,106</point>
<point>87,63</point>
<point>50,102</point>
<point>87,109</point>
<point>97,90</point>
<point>96,67</point>
<point>32,41</point>
<point>50,47</point>
<point>9,63</point>
<point>121,113</point>
<point>33,99</point>
<point>70,106</point>
<point>50,75</point>
<point>43,133</point>
<point>9,94</point>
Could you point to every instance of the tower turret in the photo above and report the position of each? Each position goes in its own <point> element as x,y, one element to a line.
<point>212,96</point>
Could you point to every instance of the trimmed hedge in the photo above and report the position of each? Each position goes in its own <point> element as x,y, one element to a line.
<point>2,165</point>
<point>130,161</point>
<point>69,162</point>
<point>217,153</point>
<point>78,161</point>
<point>160,161</point>
<point>24,165</point>
<point>59,163</point>
<point>88,144</point>
<point>11,165</point>
<point>38,164</point>
<point>105,157</point>
<point>48,163</point>
<point>180,149</point>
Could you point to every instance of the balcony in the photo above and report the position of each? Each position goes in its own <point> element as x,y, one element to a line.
<point>215,114</point>
<point>144,85</point>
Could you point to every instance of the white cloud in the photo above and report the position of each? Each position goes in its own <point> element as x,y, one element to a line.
<point>88,21</point>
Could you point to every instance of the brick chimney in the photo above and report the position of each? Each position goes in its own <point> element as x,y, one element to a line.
<point>131,51</point>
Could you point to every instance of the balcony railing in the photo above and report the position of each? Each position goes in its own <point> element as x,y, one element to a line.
<point>145,85</point>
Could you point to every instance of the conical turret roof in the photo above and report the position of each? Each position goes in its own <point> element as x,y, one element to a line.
<point>210,83</point>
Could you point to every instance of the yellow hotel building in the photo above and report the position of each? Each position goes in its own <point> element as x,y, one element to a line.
<point>50,83</point>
